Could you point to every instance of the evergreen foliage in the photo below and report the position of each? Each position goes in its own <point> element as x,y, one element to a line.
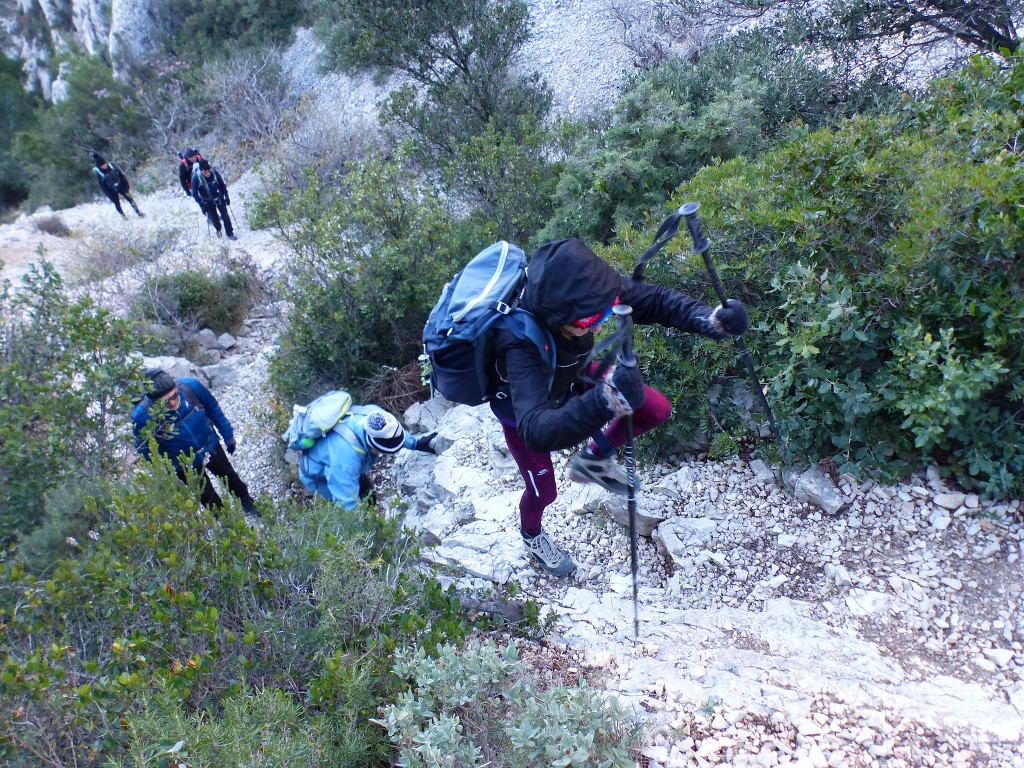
<point>99,114</point>
<point>206,31</point>
<point>883,262</point>
<point>172,623</point>
<point>373,247</point>
<point>681,116</point>
<point>194,299</point>
<point>17,113</point>
<point>467,115</point>
<point>64,373</point>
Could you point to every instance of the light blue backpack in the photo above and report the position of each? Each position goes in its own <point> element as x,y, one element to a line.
<point>483,296</point>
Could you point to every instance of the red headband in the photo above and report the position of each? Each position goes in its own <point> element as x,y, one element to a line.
<point>600,317</point>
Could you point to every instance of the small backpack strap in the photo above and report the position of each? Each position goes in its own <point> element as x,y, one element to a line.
<point>524,325</point>
<point>343,429</point>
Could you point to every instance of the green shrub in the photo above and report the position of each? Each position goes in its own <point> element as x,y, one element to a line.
<point>465,111</point>
<point>372,248</point>
<point>64,373</point>
<point>210,30</point>
<point>17,113</point>
<point>882,264</point>
<point>99,114</point>
<point>176,614</point>
<point>74,511</point>
<point>262,727</point>
<point>198,300</point>
<point>673,120</point>
<point>478,707</point>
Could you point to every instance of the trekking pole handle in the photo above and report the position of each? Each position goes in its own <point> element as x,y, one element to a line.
<point>701,245</point>
<point>624,318</point>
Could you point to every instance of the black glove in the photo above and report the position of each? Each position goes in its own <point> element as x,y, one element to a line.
<point>726,322</point>
<point>227,200</point>
<point>425,443</point>
<point>624,390</point>
<point>231,445</point>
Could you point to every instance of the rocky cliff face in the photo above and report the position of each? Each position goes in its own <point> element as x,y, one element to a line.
<point>121,31</point>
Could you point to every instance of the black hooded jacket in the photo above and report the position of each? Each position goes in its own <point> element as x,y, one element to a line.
<point>566,281</point>
<point>209,191</point>
<point>111,180</point>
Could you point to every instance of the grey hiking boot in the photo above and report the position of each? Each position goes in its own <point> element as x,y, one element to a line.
<point>551,558</point>
<point>603,470</point>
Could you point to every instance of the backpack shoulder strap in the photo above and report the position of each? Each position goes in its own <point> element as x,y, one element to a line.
<point>524,325</point>
<point>191,396</point>
<point>343,429</point>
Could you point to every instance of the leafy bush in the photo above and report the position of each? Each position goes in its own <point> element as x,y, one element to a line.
<point>162,626</point>
<point>372,248</point>
<point>883,263</point>
<point>262,727</point>
<point>17,113</point>
<point>64,370</point>
<point>478,707</point>
<point>73,513</point>
<point>209,30</point>
<point>467,115</point>
<point>198,300</point>
<point>673,120</point>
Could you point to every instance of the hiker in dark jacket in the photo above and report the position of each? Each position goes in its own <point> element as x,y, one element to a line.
<point>113,183</point>
<point>571,290</point>
<point>188,421</point>
<point>210,191</point>
<point>186,168</point>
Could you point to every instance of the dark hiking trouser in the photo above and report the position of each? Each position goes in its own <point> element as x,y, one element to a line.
<point>115,198</point>
<point>366,490</point>
<point>212,209</point>
<point>219,465</point>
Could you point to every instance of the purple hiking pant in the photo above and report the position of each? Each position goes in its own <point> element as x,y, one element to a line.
<point>539,474</point>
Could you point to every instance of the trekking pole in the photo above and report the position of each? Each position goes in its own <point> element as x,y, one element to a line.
<point>624,322</point>
<point>701,245</point>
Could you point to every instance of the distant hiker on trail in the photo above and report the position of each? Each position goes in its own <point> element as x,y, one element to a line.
<point>184,417</point>
<point>572,291</point>
<point>186,168</point>
<point>210,191</point>
<point>336,466</point>
<point>113,183</point>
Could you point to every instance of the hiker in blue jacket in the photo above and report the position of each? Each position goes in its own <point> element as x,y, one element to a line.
<point>571,290</point>
<point>336,466</point>
<point>184,417</point>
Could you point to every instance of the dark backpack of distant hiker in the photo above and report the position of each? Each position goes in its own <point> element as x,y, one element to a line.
<point>457,337</point>
<point>185,177</point>
<point>328,413</point>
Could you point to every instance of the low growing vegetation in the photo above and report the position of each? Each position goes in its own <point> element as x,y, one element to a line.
<point>193,300</point>
<point>65,377</point>
<point>372,247</point>
<point>883,263</point>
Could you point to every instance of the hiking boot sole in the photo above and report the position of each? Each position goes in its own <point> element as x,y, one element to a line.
<point>583,475</point>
